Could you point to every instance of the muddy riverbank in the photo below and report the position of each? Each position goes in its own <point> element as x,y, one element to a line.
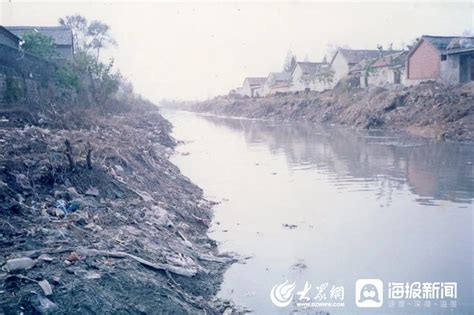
<point>100,218</point>
<point>429,110</point>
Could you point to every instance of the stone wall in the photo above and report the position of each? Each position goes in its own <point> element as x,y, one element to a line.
<point>23,77</point>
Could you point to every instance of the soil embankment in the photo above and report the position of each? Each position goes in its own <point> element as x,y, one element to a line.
<point>101,220</point>
<point>428,110</point>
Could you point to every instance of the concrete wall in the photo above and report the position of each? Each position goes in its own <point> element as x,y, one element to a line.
<point>450,70</point>
<point>424,63</point>
<point>246,90</point>
<point>298,84</point>
<point>383,76</point>
<point>340,67</point>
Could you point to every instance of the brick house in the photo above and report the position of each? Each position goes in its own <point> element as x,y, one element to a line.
<point>446,59</point>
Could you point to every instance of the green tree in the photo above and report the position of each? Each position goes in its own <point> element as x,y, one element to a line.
<point>97,79</point>
<point>78,25</point>
<point>88,36</point>
<point>325,75</point>
<point>39,44</point>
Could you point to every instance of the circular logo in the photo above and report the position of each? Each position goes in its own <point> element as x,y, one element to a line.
<point>282,294</point>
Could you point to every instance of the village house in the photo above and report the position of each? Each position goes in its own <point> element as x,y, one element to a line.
<point>304,77</point>
<point>345,59</point>
<point>8,38</point>
<point>61,35</point>
<point>383,71</point>
<point>251,86</point>
<point>446,59</point>
<point>276,82</point>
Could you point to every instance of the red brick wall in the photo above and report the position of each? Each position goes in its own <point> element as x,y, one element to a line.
<point>424,63</point>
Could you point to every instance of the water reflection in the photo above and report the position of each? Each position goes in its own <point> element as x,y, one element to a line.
<point>363,205</point>
<point>433,170</point>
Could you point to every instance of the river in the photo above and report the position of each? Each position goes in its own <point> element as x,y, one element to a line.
<point>327,206</point>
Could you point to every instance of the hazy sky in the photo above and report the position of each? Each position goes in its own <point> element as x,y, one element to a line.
<point>201,49</point>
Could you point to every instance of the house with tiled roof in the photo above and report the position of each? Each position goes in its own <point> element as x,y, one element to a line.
<point>345,59</point>
<point>382,71</point>
<point>304,76</point>
<point>251,86</point>
<point>276,82</point>
<point>61,35</point>
<point>447,59</point>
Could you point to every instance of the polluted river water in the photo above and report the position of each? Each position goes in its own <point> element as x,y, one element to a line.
<point>323,207</point>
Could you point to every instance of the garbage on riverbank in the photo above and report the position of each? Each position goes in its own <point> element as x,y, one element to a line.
<point>429,110</point>
<point>95,219</point>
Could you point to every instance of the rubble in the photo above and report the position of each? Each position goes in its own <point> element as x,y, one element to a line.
<point>92,202</point>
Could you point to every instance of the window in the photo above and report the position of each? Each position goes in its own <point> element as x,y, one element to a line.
<point>443,57</point>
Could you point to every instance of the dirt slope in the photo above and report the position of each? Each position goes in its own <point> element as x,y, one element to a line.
<point>123,235</point>
<point>429,110</point>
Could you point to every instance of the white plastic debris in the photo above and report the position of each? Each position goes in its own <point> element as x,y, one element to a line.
<point>46,287</point>
<point>22,263</point>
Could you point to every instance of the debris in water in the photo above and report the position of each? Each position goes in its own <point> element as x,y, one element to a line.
<point>289,226</point>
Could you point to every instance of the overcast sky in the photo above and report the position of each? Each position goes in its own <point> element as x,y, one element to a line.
<point>198,50</point>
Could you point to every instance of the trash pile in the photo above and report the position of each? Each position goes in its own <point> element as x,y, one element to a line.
<point>430,109</point>
<point>95,219</point>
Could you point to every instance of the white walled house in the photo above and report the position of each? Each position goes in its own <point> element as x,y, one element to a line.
<point>252,86</point>
<point>383,71</point>
<point>304,77</point>
<point>345,59</point>
<point>276,82</point>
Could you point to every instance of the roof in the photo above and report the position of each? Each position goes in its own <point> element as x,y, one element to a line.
<point>392,60</point>
<point>460,45</point>
<point>9,34</point>
<point>255,81</point>
<point>440,42</point>
<point>309,67</point>
<point>61,35</point>
<point>447,44</point>
<point>281,76</point>
<point>354,56</point>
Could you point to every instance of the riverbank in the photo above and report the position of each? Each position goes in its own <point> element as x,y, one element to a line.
<point>100,218</point>
<point>428,110</point>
